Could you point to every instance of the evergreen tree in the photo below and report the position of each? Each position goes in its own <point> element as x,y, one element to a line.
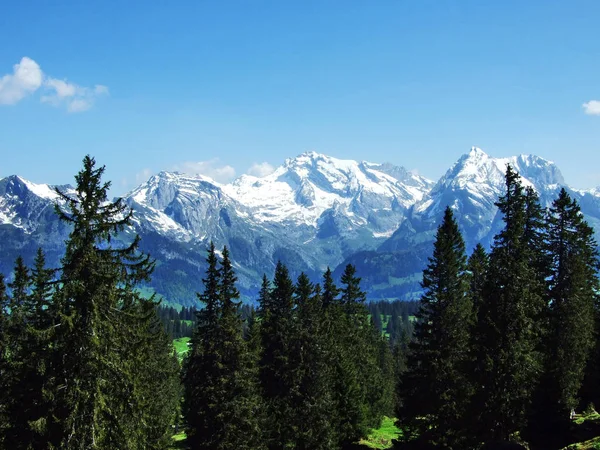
<point>477,267</point>
<point>221,406</point>
<point>358,381</point>
<point>509,352</point>
<point>330,290</point>
<point>94,388</point>
<point>31,358</point>
<point>434,391</point>
<point>18,375</point>
<point>574,291</point>
<point>376,317</point>
<point>278,364</point>
<point>4,386</point>
<point>313,402</point>
<point>200,364</point>
<point>384,403</point>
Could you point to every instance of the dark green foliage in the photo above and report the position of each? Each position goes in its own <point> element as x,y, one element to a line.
<point>30,336</point>
<point>477,267</point>
<point>3,360</point>
<point>177,324</point>
<point>312,403</point>
<point>100,329</point>
<point>278,365</point>
<point>23,382</point>
<point>330,290</point>
<point>573,294</point>
<point>384,398</point>
<point>358,383</point>
<point>511,317</point>
<point>222,407</point>
<point>435,390</point>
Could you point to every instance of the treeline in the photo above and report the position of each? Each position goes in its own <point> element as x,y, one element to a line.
<point>506,343</point>
<point>84,360</point>
<point>393,318</point>
<point>310,372</point>
<point>177,323</point>
<point>181,323</point>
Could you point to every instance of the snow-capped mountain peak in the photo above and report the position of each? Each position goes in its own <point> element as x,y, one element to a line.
<point>473,185</point>
<point>23,203</point>
<point>304,187</point>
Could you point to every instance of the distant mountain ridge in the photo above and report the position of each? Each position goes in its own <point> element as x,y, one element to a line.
<point>312,212</point>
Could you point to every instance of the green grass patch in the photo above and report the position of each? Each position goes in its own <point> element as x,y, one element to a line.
<point>381,438</point>
<point>178,441</point>
<point>179,437</point>
<point>579,419</point>
<point>592,444</point>
<point>181,346</point>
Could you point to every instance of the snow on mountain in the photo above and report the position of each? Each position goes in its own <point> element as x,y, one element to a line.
<point>303,188</point>
<point>471,187</point>
<point>313,211</point>
<point>24,204</point>
<point>301,192</point>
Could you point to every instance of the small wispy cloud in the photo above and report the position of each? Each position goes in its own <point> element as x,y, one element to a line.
<point>25,80</point>
<point>28,77</point>
<point>592,108</point>
<point>260,169</point>
<point>74,97</point>
<point>213,168</point>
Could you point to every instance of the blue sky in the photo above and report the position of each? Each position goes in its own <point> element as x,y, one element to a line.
<point>231,86</point>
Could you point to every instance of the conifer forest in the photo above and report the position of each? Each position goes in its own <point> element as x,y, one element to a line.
<point>502,350</point>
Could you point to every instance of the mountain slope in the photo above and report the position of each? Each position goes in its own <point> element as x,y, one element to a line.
<point>471,187</point>
<point>312,212</point>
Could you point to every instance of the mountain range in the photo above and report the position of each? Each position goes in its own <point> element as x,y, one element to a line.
<point>312,212</point>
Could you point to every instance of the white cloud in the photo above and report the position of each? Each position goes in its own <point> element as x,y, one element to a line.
<point>592,107</point>
<point>260,169</point>
<point>211,168</point>
<point>28,77</point>
<point>74,97</point>
<point>25,79</point>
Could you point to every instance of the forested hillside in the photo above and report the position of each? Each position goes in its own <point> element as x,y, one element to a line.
<point>501,350</point>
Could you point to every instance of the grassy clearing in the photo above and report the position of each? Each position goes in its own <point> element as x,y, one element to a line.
<point>381,438</point>
<point>181,346</point>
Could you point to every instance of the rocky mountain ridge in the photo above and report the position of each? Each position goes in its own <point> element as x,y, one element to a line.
<point>312,212</point>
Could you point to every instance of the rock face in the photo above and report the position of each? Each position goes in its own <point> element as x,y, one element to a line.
<point>312,212</point>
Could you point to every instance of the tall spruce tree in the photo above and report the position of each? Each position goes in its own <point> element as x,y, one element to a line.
<point>359,382</point>
<point>477,267</point>
<point>19,410</point>
<point>313,403</point>
<point>95,305</point>
<point>200,364</point>
<point>278,365</point>
<point>434,391</point>
<point>4,386</point>
<point>574,291</point>
<point>509,351</point>
<point>222,407</point>
<point>31,358</point>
